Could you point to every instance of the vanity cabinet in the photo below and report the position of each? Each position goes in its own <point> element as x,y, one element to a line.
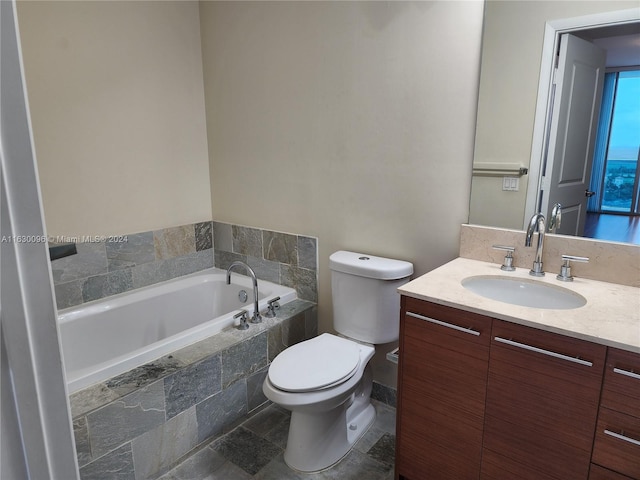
<point>617,441</point>
<point>482,398</point>
<point>542,404</point>
<point>444,358</point>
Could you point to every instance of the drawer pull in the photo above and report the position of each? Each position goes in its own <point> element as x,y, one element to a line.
<point>627,373</point>
<point>622,437</point>
<point>444,324</point>
<point>544,352</point>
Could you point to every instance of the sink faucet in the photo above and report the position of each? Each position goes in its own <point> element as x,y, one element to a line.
<point>257,318</point>
<point>556,218</point>
<point>536,224</point>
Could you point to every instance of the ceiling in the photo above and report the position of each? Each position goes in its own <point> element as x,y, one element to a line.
<point>622,43</point>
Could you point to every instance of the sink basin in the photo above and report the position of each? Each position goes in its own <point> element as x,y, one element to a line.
<point>526,293</point>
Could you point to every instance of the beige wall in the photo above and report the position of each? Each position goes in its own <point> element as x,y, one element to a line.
<point>117,106</point>
<point>511,56</point>
<point>350,121</point>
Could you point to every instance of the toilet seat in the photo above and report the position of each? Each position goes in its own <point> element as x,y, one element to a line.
<point>321,362</point>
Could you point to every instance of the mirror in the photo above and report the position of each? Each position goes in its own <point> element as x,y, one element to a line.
<point>511,119</point>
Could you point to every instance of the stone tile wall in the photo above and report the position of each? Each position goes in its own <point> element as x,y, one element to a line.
<point>109,266</point>
<point>139,424</point>
<point>282,258</point>
<point>112,265</point>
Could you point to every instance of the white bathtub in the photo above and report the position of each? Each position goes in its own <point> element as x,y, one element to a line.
<point>104,338</point>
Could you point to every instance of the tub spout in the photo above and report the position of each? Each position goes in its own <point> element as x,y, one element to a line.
<point>257,318</point>
<point>62,250</point>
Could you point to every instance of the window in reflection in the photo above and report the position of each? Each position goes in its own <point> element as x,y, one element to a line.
<point>618,146</point>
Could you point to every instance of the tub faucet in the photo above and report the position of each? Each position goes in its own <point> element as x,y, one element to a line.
<point>257,318</point>
<point>536,224</point>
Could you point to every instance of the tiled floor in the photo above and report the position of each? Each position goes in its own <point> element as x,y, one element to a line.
<point>254,450</point>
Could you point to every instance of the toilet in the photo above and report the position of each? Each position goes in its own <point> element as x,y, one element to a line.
<point>326,381</point>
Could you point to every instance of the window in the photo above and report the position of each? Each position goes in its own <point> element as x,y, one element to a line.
<point>615,168</point>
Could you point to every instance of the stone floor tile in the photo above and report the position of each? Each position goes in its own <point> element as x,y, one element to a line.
<point>369,439</point>
<point>254,450</point>
<point>265,421</point>
<point>206,464</point>
<point>277,469</point>
<point>384,451</point>
<point>385,418</point>
<point>355,466</point>
<point>246,449</point>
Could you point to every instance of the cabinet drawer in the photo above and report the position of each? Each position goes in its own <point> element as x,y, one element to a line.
<point>617,444</point>
<point>559,357</point>
<point>621,388</point>
<point>599,473</point>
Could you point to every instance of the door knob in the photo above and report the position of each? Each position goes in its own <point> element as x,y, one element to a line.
<point>589,193</point>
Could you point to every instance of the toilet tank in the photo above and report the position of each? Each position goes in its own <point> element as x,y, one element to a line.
<point>366,304</point>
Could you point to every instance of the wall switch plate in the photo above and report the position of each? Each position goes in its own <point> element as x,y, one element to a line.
<point>510,184</point>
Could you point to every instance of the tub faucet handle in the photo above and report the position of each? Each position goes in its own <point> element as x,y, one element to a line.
<point>242,315</point>
<point>271,307</point>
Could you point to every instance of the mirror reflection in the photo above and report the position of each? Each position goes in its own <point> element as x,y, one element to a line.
<point>586,137</point>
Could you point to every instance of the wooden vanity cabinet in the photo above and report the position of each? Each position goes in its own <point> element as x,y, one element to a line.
<point>617,441</point>
<point>444,356</point>
<point>542,404</point>
<point>481,398</point>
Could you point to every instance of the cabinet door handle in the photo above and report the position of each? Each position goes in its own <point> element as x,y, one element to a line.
<point>544,352</point>
<point>627,373</point>
<point>444,324</point>
<point>622,437</point>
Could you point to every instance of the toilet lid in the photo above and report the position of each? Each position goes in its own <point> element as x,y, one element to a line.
<point>315,364</point>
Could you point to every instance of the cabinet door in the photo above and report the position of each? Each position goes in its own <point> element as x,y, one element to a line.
<point>617,444</point>
<point>444,354</point>
<point>542,404</point>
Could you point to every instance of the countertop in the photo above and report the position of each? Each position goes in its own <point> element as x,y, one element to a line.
<point>610,317</point>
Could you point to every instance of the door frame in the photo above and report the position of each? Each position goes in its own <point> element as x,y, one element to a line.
<point>544,105</point>
<point>37,441</point>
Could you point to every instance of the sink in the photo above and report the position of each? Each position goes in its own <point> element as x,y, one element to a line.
<point>526,293</point>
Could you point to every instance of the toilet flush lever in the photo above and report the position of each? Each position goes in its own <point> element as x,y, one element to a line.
<point>507,264</point>
<point>271,307</point>
<point>565,269</point>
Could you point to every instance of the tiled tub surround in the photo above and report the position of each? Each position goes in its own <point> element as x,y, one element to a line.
<point>282,258</point>
<point>137,425</point>
<point>104,268</point>
<point>126,262</point>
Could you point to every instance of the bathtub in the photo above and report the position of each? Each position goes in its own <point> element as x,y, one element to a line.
<point>104,338</point>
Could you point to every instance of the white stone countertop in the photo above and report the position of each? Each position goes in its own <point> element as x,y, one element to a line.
<point>610,317</point>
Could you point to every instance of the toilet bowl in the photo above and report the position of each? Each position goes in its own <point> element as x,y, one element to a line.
<point>326,381</point>
<point>330,404</point>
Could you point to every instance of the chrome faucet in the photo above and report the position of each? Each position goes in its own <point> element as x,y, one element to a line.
<point>536,224</point>
<point>257,318</point>
<point>556,218</point>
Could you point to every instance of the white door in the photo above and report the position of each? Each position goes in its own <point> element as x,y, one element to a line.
<point>578,90</point>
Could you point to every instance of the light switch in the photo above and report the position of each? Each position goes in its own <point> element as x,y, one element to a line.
<point>510,184</point>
